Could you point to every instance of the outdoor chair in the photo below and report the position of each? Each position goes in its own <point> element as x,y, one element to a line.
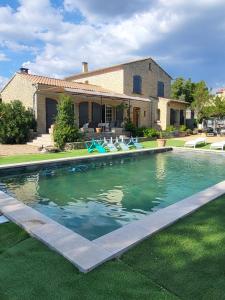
<point>196,142</point>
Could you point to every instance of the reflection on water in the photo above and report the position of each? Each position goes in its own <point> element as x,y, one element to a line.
<point>97,198</point>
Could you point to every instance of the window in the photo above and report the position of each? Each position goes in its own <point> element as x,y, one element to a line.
<point>108,114</point>
<point>150,66</point>
<point>137,83</point>
<point>160,89</point>
<point>158,114</point>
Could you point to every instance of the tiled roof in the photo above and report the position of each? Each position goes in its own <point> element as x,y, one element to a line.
<point>221,91</point>
<point>62,83</point>
<point>60,86</point>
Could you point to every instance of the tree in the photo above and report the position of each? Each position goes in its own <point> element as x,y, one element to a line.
<point>183,89</point>
<point>201,99</point>
<point>15,122</point>
<point>65,129</point>
<point>215,108</point>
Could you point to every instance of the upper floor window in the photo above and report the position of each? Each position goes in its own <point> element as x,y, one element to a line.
<point>137,84</point>
<point>160,92</point>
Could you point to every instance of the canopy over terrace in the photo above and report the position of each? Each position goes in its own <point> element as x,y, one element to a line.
<point>96,107</point>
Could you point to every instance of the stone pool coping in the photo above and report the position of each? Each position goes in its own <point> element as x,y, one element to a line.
<point>85,254</point>
<point>34,165</point>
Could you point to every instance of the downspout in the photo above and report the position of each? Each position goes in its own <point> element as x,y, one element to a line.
<point>35,100</point>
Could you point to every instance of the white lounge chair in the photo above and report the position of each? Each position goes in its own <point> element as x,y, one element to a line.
<point>134,142</point>
<point>218,145</point>
<point>195,142</point>
<point>121,144</point>
<point>110,145</point>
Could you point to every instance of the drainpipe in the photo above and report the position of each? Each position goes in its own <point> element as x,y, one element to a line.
<point>35,100</point>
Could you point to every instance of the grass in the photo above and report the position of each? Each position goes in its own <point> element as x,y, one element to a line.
<point>74,153</point>
<point>185,261</point>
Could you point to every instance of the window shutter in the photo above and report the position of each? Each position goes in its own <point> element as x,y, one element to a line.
<point>160,89</point>
<point>137,84</point>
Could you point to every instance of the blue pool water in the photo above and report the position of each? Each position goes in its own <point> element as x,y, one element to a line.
<point>97,198</point>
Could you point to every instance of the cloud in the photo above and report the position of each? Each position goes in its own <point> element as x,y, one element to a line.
<point>3,57</point>
<point>100,9</point>
<point>186,37</point>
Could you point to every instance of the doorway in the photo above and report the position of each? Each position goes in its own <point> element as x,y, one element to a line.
<point>136,116</point>
<point>51,112</point>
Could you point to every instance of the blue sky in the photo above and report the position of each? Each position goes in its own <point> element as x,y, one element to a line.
<point>52,38</point>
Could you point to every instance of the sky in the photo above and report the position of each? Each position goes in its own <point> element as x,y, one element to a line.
<point>52,38</point>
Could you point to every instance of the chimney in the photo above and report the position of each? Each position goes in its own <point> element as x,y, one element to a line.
<point>84,67</point>
<point>24,70</point>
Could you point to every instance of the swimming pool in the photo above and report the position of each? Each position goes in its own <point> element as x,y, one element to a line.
<point>96,198</point>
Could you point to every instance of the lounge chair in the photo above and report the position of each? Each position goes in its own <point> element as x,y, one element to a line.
<point>134,142</point>
<point>218,145</point>
<point>121,144</point>
<point>94,145</point>
<point>109,145</point>
<point>195,142</point>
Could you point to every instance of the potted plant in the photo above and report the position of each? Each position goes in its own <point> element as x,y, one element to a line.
<point>161,141</point>
<point>98,129</point>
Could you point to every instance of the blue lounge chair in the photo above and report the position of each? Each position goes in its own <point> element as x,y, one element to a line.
<point>94,145</point>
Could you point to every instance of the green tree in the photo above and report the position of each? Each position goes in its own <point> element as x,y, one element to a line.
<point>215,108</point>
<point>15,122</point>
<point>65,129</point>
<point>183,89</point>
<point>201,99</point>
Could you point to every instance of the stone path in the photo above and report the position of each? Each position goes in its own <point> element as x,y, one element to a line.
<point>6,150</point>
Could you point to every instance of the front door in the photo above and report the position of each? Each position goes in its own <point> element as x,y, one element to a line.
<point>136,116</point>
<point>51,112</point>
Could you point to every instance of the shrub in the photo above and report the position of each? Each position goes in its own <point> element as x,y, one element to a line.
<point>170,128</point>
<point>15,122</point>
<point>130,127</point>
<point>151,132</point>
<point>140,131</point>
<point>65,129</point>
<point>182,128</point>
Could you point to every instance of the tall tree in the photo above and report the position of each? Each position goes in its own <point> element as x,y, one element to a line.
<point>201,99</point>
<point>183,89</point>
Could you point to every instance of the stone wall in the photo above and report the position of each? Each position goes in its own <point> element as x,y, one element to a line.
<point>150,73</point>
<point>19,89</point>
<point>112,81</point>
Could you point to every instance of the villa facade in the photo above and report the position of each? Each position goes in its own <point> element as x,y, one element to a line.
<point>137,90</point>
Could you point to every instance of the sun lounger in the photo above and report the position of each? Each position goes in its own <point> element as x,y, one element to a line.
<point>121,144</point>
<point>94,145</point>
<point>195,142</point>
<point>218,145</point>
<point>109,145</point>
<point>134,142</point>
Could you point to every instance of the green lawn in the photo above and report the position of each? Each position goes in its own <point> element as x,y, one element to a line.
<point>185,261</point>
<point>75,153</point>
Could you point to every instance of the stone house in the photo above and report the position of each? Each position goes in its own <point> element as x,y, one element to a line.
<point>138,90</point>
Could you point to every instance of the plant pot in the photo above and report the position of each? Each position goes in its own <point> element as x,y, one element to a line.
<point>98,130</point>
<point>161,143</point>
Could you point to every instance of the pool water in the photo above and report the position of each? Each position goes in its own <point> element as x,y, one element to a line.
<point>97,198</point>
